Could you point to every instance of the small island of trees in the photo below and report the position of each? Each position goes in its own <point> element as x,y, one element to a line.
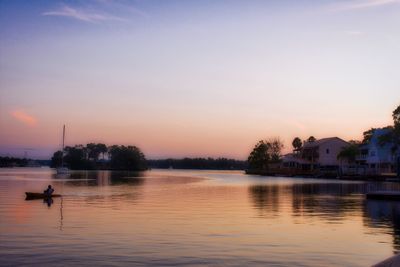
<point>100,157</point>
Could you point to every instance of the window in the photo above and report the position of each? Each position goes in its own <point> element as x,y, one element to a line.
<point>327,151</point>
<point>372,154</point>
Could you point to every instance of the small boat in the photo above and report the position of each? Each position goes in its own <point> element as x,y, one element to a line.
<point>62,170</point>
<point>31,195</point>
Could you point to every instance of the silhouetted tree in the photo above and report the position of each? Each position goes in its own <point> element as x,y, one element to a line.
<point>265,152</point>
<point>102,149</point>
<point>393,133</point>
<point>259,157</point>
<point>349,153</point>
<point>94,150</point>
<point>127,158</point>
<point>396,117</point>
<point>275,147</point>
<point>297,144</point>
<point>367,135</point>
<point>76,158</point>
<point>199,163</point>
<point>56,160</point>
<point>13,162</point>
<point>311,139</point>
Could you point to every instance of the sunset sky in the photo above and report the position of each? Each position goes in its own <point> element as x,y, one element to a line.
<point>194,78</point>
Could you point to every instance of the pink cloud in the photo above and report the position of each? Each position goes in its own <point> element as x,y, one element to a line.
<point>23,117</point>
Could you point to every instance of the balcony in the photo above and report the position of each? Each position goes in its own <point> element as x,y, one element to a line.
<point>362,157</point>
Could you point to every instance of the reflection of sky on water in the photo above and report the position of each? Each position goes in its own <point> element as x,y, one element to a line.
<point>193,217</point>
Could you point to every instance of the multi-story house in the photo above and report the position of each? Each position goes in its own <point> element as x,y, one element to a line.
<point>317,155</point>
<point>377,157</point>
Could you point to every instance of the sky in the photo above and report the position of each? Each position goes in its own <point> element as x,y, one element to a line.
<point>194,78</point>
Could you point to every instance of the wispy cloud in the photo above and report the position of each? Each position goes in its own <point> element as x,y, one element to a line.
<point>362,4</point>
<point>82,15</point>
<point>24,117</point>
<point>122,6</point>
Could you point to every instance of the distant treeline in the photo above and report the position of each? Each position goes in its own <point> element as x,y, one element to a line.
<point>199,163</point>
<point>124,158</point>
<point>6,162</point>
<point>13,162</point>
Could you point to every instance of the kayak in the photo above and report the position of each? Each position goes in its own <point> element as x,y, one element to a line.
<point>30,195</point>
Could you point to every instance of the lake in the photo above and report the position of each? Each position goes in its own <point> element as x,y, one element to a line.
<point>185,217</point>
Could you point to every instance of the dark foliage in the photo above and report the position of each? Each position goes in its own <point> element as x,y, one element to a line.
<point>367,135</point>
<point>127,158</point>
<point>56,160</point>
<point>6,162</point>
<point>264,153</point>
<point>199,163</point>
<point>259,157</point>
<point>349,153</point>
<point>13,162</point>
<point>81,157</point>
<point>311,139</point>
<point>297,144</point>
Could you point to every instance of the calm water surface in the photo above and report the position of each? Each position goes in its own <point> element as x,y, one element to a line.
<point>175,217</point>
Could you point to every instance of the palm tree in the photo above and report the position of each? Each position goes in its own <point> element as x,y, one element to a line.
<point>311,139</point>
<point>297,144</point>
<point>349,153</point>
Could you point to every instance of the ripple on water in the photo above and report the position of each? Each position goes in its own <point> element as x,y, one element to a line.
<point>174,218</point>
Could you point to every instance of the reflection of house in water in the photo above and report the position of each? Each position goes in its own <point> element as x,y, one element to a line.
<point>330,201</point>
<point>384,214</point>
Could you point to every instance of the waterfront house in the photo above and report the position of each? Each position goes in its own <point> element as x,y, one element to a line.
<point>323,153</point>
<point>375,157</point>
<point>317,156</point>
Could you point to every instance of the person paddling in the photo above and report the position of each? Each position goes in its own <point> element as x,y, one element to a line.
<point>49,191</point>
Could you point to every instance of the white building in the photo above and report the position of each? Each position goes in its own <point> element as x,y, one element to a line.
<point>320,154</point>
<point>377,157</point>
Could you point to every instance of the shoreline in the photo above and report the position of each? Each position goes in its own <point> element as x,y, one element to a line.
<point>330,175</point>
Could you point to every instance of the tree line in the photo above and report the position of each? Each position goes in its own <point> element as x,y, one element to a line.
<point>99,156</point>
<point>13,162</point>
<point>199,163</point>
<point>6,162</point>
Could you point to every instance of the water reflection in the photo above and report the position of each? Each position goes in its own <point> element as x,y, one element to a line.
<point>101,178</point>
<point>267,198</point>
<point>330,201</point>
<point>333,203</point>
<point>191,218</point>
<point>49,201</point>
<point>383,215</point>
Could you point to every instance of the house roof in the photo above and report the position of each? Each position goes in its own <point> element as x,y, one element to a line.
<point>321,141</point>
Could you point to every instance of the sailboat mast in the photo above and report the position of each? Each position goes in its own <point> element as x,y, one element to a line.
<point>63,137</point>
<point>62,151</point>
